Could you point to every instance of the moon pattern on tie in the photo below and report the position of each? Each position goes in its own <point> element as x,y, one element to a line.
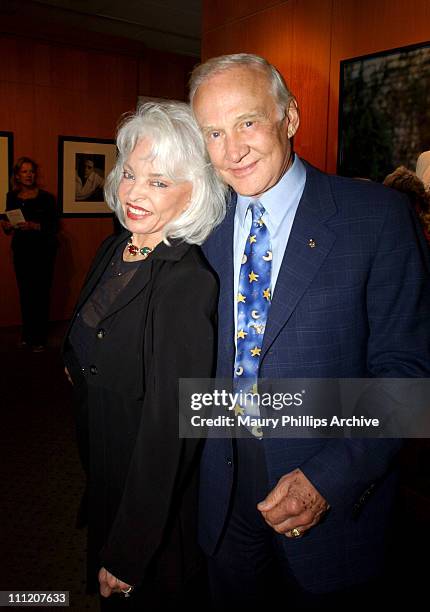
<point>252,310</point>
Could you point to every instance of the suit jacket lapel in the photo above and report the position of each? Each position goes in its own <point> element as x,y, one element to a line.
<point>99,266</point>
<point>140,279</point>
<point>309,243</point>
<point>219,250</point>
<point>145,272</point>
<point>136,284</point>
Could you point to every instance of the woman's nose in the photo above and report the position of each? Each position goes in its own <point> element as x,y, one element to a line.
<point>137,191</point>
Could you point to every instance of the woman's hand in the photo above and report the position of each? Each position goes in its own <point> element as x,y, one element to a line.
<point>7,227</point>
<point>110,584</point>
<point>29,225</point>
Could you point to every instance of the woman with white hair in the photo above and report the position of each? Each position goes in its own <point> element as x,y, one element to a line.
<point>144,319</point>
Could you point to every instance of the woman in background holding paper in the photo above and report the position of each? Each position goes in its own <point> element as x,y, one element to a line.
<point>32,220</point>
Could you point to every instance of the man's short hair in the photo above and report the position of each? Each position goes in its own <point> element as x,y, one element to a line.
<point>215,65</point>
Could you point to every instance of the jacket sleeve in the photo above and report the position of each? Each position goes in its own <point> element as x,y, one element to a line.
<point>183,347</point>
<point>398,310</point>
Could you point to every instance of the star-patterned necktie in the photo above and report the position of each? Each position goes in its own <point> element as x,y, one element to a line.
<point>253,303</point>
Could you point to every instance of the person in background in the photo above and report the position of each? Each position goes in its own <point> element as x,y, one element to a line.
<point>144,319</point>
<point>407,182</point>
<point>34,247</point>
<point>320,277</point>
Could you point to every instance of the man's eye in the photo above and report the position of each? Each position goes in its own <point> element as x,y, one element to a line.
<point>248,123</point>
<point>214,135</point>
<point>127,175</point>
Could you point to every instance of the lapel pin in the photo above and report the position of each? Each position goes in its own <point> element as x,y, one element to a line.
<point>312,244</point>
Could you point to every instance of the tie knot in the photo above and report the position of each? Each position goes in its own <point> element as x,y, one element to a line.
<point>257,211</point>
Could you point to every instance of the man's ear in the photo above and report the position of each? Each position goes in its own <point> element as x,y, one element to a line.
<point>293,118</point>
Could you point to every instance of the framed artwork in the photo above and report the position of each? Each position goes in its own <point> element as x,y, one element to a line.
<point>83,165</point>
<point>6,165</point>
<point>384,119</point>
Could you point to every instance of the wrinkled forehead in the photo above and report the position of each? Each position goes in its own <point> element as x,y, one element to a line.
<point>243,79</point>
<point>230,95</point>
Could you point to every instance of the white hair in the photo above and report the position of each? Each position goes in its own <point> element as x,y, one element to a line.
<point>215,65</point>
<point>178,147</point>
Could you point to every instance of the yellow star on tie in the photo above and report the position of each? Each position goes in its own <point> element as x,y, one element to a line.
<point>252,239</point>
<point>266,294</point>
<point>258,328</point>
<point>255,352</point>
<point>241,298</point>
<point>260,221</point>
<point>241,334</point>
<point>252,276</point>
<point>238,410</point>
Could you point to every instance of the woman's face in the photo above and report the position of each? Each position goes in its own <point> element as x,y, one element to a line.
<point>149,200</point>
<point>26,175</point>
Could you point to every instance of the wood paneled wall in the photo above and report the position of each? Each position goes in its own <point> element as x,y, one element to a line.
<point>76,88</point>
<point>306,40</point>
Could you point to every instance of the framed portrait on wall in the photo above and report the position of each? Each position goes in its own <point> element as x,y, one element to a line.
<point>384,119</point>
<point>83,165</point>
<point>6,165</point>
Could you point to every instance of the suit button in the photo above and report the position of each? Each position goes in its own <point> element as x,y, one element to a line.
<point>229,462</point>
<point>101,333</point>
<point>93,369</point>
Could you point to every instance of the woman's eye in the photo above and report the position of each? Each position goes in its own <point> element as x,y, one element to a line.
<point>159,184</point>
<point>127,175</point>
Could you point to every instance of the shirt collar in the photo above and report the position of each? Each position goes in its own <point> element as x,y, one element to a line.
<point>279,198</point>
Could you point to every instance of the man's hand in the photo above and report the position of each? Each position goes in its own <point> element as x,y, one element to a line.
<point>110,584</point>
<point>293,504</point>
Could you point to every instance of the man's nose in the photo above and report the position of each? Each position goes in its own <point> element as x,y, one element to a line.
<point>235,148</point>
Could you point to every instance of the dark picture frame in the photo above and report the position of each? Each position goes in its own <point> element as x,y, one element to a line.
<point>6,166</point>
<point>83,165</point>
<point>384,121</point>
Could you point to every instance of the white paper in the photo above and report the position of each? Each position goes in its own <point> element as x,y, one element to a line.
<point>15,216</point>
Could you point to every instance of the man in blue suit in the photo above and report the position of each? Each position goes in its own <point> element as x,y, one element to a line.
<point>349,299</point>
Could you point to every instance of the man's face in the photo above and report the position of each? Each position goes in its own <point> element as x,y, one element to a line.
<point>246,135</point>
<point>88,167</point>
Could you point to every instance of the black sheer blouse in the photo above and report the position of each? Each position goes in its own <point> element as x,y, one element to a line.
<point>115,278</point>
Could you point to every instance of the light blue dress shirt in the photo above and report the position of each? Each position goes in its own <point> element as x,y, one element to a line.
<point>280,204</point>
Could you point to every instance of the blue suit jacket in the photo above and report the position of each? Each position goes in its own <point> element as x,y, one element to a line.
<point>355,305</point>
